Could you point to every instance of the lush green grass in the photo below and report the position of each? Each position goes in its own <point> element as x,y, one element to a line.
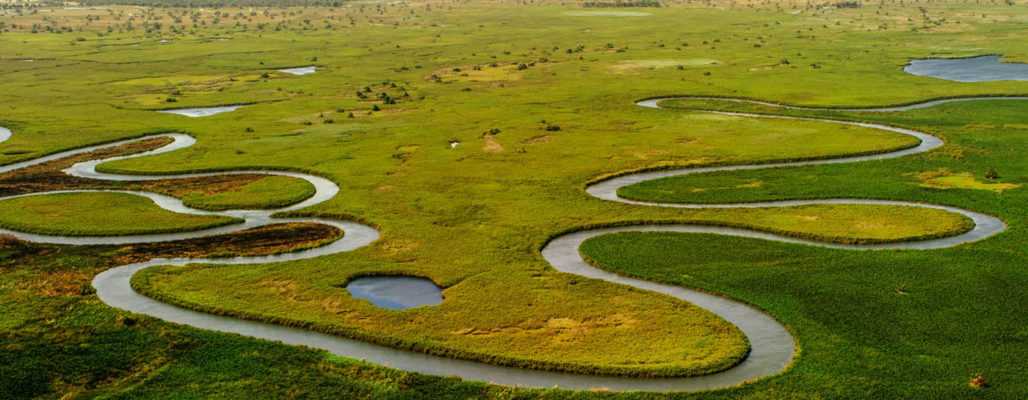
<point>978,137</point>
<point>856,224</point>
<point>313,300</point>
<point>473,218</point>
<point>263,193</point>
<point>916,319</point>
<point>97,214</point>
<point>554,343</point>
<point>64,342</point>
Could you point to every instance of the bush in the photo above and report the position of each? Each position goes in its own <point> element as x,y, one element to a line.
<point>978,382</point>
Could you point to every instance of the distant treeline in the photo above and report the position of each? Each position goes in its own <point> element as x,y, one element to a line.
<point>214,3</point>
<point>620,3</point>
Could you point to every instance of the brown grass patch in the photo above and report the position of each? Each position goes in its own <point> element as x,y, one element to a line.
<point>537,139</point>
<point>59,283</point>
<point>490,145</point>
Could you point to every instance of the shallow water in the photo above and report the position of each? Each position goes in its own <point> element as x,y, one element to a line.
<point>201,111</point>
<point>300,70</point>
<point>4,134</point>
<point>973,69</point>
<point>396,292</point>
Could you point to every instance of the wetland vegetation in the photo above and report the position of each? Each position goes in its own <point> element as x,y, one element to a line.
<point>539,97</point>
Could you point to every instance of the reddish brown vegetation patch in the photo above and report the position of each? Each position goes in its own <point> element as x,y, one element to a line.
<point>978,382</point>
<point>261,241</point>
<point>59,283</point>
<point>49,176</point>
<point>265,240</point>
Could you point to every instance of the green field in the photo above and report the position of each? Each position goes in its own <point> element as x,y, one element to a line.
<point>97,214</point>
<point>466,134</point>
<point>263,193</point>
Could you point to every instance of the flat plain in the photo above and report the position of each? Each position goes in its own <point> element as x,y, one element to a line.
<point>466,134</point>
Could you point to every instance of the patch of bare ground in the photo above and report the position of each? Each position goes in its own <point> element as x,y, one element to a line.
<point>490,144</point>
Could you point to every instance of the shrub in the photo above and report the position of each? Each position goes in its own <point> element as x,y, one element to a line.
<point>978,382</point>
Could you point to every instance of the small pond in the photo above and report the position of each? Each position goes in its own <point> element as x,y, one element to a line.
<point>300,70</point>
<point>201,111</point>
<point>973,69</point>
<point>396,292</point>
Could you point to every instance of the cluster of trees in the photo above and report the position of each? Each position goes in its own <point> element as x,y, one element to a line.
<point>387,98</point>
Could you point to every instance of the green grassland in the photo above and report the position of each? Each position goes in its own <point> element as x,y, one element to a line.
<point>263,193</point>
<point>899,324</point>
<point>472,218</point>
<point>98,214</point>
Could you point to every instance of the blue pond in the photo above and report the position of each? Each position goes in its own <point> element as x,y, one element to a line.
<point>396,292</point>
<point>974,69</point>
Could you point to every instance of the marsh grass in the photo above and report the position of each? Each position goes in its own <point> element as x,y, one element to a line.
<point>474,220</point>
<point>263,193</point>
<point>98,214</point>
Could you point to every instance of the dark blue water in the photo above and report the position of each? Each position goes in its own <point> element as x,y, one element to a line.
<point>974,69</point>
<point>396,292</point>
